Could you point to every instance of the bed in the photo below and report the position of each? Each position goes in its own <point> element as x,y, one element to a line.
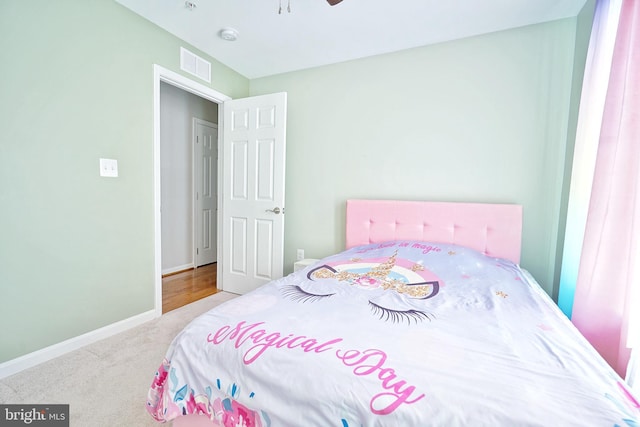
<point>426,319</point>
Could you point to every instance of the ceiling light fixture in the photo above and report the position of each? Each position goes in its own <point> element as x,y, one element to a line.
<point>228,34</point>
<point>190,5</point>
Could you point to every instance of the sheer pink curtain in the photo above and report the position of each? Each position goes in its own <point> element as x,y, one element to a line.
<point>610,263</point>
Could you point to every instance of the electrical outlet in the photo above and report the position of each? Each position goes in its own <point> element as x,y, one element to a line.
<point>109,168</point>
<point>300,254</point>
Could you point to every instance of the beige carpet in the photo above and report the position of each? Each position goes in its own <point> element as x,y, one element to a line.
<point>106,383</point>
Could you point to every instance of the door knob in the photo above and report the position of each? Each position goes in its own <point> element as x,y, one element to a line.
<point>275,210</point>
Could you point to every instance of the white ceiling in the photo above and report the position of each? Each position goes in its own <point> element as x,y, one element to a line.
<point>315,34</point>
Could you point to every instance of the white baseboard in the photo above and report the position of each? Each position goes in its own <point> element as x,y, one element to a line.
<point>30,360</point>
<point>177,268</point>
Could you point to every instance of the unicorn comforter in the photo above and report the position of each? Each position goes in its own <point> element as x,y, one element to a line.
<point>404,333</point>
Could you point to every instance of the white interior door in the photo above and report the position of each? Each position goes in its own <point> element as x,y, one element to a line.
<point>254,137</point>
<point>206,197</point>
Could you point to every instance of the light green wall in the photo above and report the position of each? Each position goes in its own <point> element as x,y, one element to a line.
<point>76,84</point>
<point>484,119</point>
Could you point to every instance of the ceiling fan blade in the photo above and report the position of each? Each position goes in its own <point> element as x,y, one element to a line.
<point>333,2</point>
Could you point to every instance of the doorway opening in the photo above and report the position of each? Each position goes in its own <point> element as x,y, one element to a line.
<point>162,75</point>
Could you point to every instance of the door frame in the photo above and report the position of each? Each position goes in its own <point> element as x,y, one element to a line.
<point>161,74</point>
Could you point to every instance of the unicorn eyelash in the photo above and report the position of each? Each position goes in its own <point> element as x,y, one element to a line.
<point>398,316</point>
<point>296,293</point>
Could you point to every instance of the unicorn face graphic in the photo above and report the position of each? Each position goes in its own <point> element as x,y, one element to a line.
<point>390,282</point>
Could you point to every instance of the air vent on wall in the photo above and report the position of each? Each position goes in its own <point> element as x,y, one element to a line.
<point>193,64</point>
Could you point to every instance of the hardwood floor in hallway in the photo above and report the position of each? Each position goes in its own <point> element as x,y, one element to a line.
<point>185,287</point>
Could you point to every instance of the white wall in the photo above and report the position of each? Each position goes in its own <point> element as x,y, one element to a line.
<point>177,110</point>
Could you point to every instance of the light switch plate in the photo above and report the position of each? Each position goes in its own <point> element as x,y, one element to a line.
<point>109,168</point>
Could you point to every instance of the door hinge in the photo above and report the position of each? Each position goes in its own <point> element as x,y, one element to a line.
<point>197,251</point>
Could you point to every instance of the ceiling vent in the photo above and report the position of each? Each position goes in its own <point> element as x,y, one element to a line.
<point>193,64</point>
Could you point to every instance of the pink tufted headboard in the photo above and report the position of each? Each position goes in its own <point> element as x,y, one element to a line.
<point>493,229</point>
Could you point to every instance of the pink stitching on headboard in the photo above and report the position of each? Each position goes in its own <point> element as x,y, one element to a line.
<point>493,229</point>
